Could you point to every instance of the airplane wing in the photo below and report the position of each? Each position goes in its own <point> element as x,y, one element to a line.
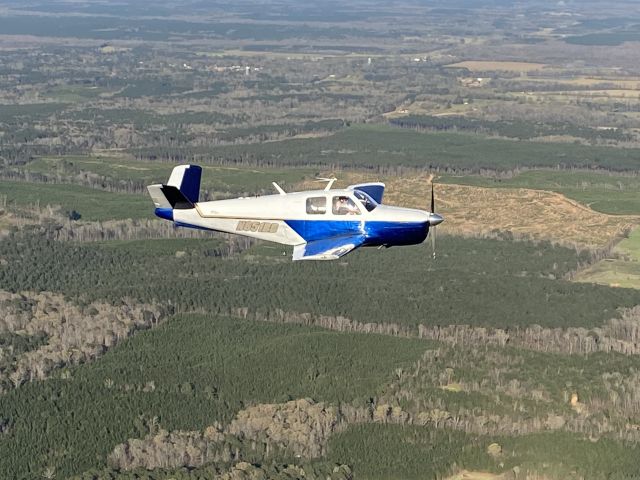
<point>327,248</point>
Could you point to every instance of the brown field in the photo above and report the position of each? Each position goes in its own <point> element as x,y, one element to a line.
<point>631,84</point>
<point>482,65</point>
<point>421,108</point>
<point>527,214</point>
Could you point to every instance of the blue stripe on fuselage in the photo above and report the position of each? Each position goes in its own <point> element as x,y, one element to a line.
<point>312,230</point>
<point>376,232</point>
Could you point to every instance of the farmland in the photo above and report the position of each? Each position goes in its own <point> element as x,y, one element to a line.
<point>484,66</point>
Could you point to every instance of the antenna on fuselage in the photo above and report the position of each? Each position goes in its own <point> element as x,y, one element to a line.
<point>329,181</point>
<point>278,188</point>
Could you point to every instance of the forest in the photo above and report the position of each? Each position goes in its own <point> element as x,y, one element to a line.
<point>506,283</point>
<point>381,148</point>
<point>144,378</point>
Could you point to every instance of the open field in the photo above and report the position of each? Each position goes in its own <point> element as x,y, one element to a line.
<point>90,203</point>
<point>619,93</point>
<point>527,213</point>
<point>622,270</point>
<point>610,39</point>
<point>602,192</point>
<point>521,212</point>
<point>63,94</point>
<point>612,271</point>
<point>630,247</point>
<point>617,82</point>
<point>483,66</point>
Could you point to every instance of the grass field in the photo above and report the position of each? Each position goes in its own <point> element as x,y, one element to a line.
<point>618,82</point>
<point>611,39</point>
<point>614,272</point>
<point>623,270</point>
<point>481,65</point>
<point>605,94</point>
<point>92,204</point>
<point>630,247</point>
<point>73,94</point>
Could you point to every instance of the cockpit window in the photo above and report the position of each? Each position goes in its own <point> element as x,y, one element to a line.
<point>367,202</point>
<point>316,205</point>
<point>344,205</point>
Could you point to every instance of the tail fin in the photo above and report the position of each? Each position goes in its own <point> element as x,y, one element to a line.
<point>181,192</point>
<point>186,178</point>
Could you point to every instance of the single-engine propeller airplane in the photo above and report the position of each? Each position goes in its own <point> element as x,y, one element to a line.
<point>320,224</point>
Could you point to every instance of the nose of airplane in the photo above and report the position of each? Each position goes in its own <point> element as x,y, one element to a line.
<point>435,219</point>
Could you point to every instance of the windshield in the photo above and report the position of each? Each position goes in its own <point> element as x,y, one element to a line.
<point>366,201</point>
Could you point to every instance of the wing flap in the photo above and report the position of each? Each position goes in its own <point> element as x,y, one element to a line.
<point>327,248</point>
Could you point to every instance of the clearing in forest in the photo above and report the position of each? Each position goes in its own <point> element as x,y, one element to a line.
<point>623,270</point>
<point>487,65</point>
<point>523,213</point>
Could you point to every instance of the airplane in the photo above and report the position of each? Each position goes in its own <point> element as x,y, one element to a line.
<point>320,224</point>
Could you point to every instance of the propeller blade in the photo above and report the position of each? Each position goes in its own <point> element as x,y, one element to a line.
<point>433,199</point>
<point>433,223</point>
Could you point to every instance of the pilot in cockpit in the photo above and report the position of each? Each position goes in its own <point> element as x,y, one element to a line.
<point>344,206</point>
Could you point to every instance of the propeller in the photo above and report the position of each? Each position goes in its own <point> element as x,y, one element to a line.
<point>434,219</point>
<point>433,233</point>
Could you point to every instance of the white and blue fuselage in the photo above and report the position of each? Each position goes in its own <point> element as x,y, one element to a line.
<point>320,224</point>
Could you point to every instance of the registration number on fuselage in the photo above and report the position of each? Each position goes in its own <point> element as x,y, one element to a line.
<point>251,226</point>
